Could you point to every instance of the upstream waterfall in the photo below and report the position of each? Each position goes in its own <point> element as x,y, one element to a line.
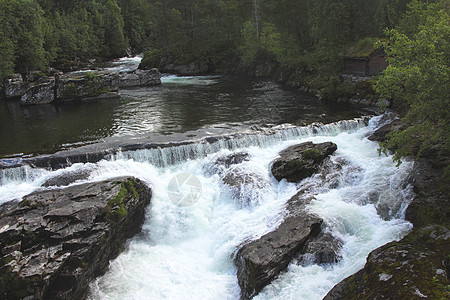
<point>186,251</point>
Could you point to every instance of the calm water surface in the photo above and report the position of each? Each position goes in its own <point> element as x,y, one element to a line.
<point>180,104</point>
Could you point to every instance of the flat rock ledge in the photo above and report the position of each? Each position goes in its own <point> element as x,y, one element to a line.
<point>54,242</point>
<point>301,161</point>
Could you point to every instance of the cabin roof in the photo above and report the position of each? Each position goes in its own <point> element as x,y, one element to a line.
<point>363,49</point>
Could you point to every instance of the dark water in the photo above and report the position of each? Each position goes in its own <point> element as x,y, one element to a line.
<point>180,104</point>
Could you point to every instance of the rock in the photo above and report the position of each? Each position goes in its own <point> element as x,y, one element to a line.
<point>379,135</point>
<point>232,159</point>
<point>54,242</point>
<point>76,86</point>
<point>431,204</point>
<point>413,268</point>
<point>322,250</point>
<point>221,164</point>
<point>244,187</point>
<point>42,93</point>
<point>300,161</point>
<point>15,87</point>
<point>67,178</point>
<point>260,261</point>
<point>140,78</point>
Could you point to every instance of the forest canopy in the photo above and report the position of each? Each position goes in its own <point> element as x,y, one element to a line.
<point>39,33</point>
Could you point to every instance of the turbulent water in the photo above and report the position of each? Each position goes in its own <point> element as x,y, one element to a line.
<point>186,251</point>
<point>196,223</point>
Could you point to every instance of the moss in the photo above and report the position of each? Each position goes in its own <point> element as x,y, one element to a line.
<point>311,153</point>
<point>115,210</point>
<point>25,203</point>
<point>152,59</point>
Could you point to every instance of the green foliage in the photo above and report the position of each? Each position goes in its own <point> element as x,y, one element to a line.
<point>418,76</point>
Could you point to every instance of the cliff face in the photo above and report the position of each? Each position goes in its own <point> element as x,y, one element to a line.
<point>54,242</point>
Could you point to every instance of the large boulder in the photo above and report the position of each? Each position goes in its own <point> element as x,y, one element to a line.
<point>413,268</point>
<point>54,242</point>
<point>93,85</point>
<point>260,261</point>
<point>301,161</point>
<point>140,78</point>
<point>41,93</point>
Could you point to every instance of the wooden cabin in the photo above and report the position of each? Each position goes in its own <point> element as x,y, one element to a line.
<point>370,65</point>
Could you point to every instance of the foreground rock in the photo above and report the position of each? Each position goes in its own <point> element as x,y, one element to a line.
<point>418,266</point>
<point>300,161</point>
<point>53,243</point>
<point>413,268</point>
<point>260,261</point>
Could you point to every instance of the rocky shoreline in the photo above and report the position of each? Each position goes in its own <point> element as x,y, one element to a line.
<point>76,86</point>
<point>417,266</point>
<point>55,242</point>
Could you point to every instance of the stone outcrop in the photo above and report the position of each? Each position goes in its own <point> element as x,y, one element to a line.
<point>77,86</point>
<point>414,268</point>
<point>418,266</point>
<point>301,161</point>
<point>260,261</point>
<point>140,78</point>
<point>54,242</point>
<point>323,250</point>
<point>15,87</point>
<point>42,93</point>
<point>73,86</point>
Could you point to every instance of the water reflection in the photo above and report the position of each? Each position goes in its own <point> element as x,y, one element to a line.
<point>180,104</point>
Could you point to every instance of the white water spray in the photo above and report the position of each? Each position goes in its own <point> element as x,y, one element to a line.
<point>187,252</point>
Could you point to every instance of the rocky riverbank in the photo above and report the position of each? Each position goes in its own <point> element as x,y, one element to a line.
<point>418,266</point>
<point>76,86</point>
<point>54,242</point>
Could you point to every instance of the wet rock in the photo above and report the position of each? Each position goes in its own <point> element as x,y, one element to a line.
<point>413,268</point>
<point>389,122</point>
<point>260,261</point>
<point>300,161</point>
<point>77,86</point>
<point>232,159</point>
<point>221,164</point>
<point>15,87</point>
<point>42,93</point>
<point>322,250</point>
<point>53,243</point>
<point>244,187</point>
<point>140,78</point>
<point>67,178</point>
<point>431,204</point>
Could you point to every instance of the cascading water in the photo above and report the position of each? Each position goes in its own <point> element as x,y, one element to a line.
<point>187,251</point>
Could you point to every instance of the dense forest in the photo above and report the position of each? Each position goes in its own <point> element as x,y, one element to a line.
<point>305,37</point>
<point>302,34</point>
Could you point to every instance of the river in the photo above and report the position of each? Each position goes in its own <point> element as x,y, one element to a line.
<point>187,245</point>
